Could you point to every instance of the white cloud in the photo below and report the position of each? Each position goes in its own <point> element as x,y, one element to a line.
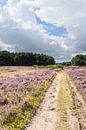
<point>70,14</point>
<point>62,12</point>
<point>19,29</point>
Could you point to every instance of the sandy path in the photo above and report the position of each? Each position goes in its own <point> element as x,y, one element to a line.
<point>46,117</point>
<point>67,112</point>
<point>72,120</point>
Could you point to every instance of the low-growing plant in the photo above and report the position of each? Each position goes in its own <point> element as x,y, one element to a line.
<point>21,95</point>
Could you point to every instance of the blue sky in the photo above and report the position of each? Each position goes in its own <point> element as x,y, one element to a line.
<point>2,2</point>
<point>62,37</point>
<point>51,28</point>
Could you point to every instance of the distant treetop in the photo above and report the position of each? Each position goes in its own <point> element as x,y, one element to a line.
<point>24,59</point>
<point>79,60</point>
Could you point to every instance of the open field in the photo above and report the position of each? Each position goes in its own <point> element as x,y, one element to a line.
<point>77,84</point>
<point>78,76</point>
<point>21,91</point>
<point>34,98</point>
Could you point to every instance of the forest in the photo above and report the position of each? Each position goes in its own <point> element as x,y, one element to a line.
<point>79,60</point>
<point>24,59</point>
<point>30,59</point>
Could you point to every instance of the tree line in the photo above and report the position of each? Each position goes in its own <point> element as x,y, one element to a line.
<point>79,60</point>
<point>24,59</point>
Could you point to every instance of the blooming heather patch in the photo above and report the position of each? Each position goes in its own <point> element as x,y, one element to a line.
<point>17,92</point>
<point>78,74</point>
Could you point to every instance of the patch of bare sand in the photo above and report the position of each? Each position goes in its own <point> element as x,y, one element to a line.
<point>72,120</point>
<point>46,117</point>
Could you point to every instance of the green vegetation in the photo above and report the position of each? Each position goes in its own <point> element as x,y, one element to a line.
<point>24,59</point>
<point>66,63</point>
<point>25,116</point>
<point>50,66</point>
<point>55,66</point>
<point>22,95</point>
<point>37,60</point>
<point>65,101</point>
<point>79,60</point>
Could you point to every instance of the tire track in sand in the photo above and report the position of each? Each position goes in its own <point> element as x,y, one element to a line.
<point>46,117</point>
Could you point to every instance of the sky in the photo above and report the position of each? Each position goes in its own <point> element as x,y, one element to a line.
<point>56,28</point>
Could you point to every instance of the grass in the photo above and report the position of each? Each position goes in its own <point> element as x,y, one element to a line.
<point>18,71</point>
<point>65,101</point>
<point>57,66</point>
<point>24,117</point>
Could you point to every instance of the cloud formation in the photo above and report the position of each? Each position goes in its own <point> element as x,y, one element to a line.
<point>19,30</point>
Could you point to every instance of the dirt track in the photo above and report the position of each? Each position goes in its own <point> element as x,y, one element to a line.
<point>46,117</point>
<point>57,108</point>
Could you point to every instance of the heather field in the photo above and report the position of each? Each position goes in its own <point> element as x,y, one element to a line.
<point>21,91</point>
<point>77,85</point>
<point>78,75</point>
<point>39,98</point>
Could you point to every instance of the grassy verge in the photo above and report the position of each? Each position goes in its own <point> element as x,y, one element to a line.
<point>65,101</point>
<point>58,66</point>
<point>24,116</point>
